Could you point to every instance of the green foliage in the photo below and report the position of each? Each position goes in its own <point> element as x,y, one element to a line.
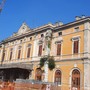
<point>51,62</point>
<point>42,61</point>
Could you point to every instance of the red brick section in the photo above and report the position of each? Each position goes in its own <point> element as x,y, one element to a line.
<point>6,86</point>
<point>30,86</point>
<point>25,86</point>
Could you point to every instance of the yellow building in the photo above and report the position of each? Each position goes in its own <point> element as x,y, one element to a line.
<point>69,45</point>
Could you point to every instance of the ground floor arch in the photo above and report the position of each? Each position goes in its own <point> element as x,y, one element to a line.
<point>11,74</point>
<point>38,74</point>
<point>57,77</point>
<point>75,79</point>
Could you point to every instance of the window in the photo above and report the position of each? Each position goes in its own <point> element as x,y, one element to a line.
<point>76,79</point>
<point>11,51</point>
<point>28,50</point>
<point>58,77</point>
<point>76,46</point>
<point>58,48</point>
<point>42,35</point>
<point>76,29</point>
<point>19,52</point>
<point>21,41</point>
<point>40,50</point>
<point>38,74</point>
<point>30,38</point>
<point>3,56</point>
<point>60,33</point>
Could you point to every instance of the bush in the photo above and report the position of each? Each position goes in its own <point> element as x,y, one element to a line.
<point>51,62</point>
<point>42,61</point>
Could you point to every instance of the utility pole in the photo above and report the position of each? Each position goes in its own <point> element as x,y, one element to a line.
<point>2,5</point>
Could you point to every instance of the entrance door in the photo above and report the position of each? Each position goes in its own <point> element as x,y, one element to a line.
<point>38,74</point>
<point>75,80</point>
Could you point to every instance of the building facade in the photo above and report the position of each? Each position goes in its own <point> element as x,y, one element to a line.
<point>69,45</point>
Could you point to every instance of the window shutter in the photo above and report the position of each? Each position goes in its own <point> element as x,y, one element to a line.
<point>10,55</point>
<point>40,50</point>
<point>76,46</point>
<point>3,56</point>
<point>19,53</point>
<point>28,53</point>
<point>59,49</point>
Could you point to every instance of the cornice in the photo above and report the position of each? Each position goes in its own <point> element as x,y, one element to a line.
<point>82,20</point>
<point>43,28</point>
<point>34,31</point>
<point>67,60</point>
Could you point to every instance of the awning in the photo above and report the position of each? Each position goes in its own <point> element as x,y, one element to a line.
<point>17,65</point>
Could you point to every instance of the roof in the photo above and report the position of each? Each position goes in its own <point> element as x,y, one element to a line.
<point>17,65</point>
<point>42,28</point>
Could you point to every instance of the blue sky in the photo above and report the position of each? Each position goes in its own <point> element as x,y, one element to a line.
<point>39,12</point>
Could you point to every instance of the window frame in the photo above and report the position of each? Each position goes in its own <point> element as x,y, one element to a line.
<point>42,35</point>
<point>4,55</point>
<point>75,38</point>
<point>76,29</point>
<point>59,51</point>
<point>75,46</point>
<point>61,42</point>
<point>38,74</point>
<point>75,76</point>
<point>60,33</point>
<point>11,54</point>
<point>19,52</point>
<point>29,52</point>
<point>40,53</point>
<point>59,82</point>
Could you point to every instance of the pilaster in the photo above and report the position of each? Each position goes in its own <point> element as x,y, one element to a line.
<point>86,54</point>
<point>15,51</point>
<point>24,49</point>
<point>35,47</point>
<point>86,38</point>
<point>86,74</point>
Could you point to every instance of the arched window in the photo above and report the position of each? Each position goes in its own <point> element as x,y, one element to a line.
<point>76,79</point>
<point>28,50</point>
<point>19,52</point>
<point>42,35</point>
<point>38,74</point>
<point>58,77</point>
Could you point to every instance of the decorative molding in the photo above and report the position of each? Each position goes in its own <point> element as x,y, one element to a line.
<point>75,38</point>
<point>60,41</point>
<point>75,65</point>
<point>23,29</point>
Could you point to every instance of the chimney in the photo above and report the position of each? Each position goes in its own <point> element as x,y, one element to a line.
<point>77,18</point>
<point>58,23</point>
<point>83,16</point>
